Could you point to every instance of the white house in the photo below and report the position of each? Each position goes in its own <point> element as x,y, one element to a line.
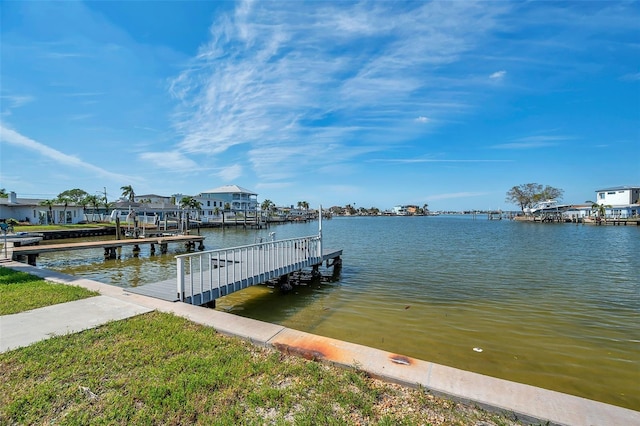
<point>238,199</point>
<point>620,201</point>
<point>31,210</point>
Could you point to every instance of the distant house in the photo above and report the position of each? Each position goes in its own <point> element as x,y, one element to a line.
<point>237,198</point>
<point>30,210</point>
<point>621,201</point>
<point>154,199</point>
<point>405,210</point>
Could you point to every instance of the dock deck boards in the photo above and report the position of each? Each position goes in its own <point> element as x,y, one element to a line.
<point>45,248</point>
<point>168,289</point>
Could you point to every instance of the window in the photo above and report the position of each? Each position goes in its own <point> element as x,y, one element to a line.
<point>601,195</point>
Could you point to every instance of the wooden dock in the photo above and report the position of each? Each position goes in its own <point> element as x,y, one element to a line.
<point>109,246</point>
<point>206,276</point>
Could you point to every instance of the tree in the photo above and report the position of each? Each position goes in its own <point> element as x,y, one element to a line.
<point>74,195</point>
<point>3,193</point>
<point>64,200</point>
<point>526,195</point>
<point>94,201</point>
<point>550,193</point>
<point>190,203</point>
<point>267,205</point>
<point>49,204</point>
<point>127,192</point>
<point>600,210</point>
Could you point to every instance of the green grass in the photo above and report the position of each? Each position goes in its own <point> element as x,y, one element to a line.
<point>40,228</point>
<point>158,368</point>
<point>20,291</point>
<point>161,369</point>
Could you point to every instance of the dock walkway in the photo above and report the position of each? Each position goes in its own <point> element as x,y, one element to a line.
<point>203,277</point>
<point>109,246</point>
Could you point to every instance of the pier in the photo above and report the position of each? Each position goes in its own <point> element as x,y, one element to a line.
<point>203,277</point>
<point>31,252</point>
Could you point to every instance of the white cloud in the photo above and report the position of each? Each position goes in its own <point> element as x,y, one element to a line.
<point>278,77</point>
<point>16,101</point>
<point>631,77</point>
<point>230,173</point>
<point>12,137</point>
<point>498,75</point>
<point>533,142</point>
<point>170,160</point>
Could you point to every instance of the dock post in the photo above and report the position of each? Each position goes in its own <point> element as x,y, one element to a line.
<point>180,279</point>
<point>31,259</point>
<point>320,233</point>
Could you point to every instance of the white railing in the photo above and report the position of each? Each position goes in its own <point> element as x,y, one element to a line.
<point>215,273</point>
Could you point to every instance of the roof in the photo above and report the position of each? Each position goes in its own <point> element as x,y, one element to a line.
<point>618,188</point>
<point>30,202</point>
<point>229,189</point>
<point>151,196</point>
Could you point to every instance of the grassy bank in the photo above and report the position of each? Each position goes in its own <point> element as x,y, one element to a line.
<point>20,292</point>
<point>161,369</point>
<point>41,228</point>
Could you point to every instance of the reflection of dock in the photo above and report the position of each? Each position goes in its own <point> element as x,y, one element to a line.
<point>110,246</point>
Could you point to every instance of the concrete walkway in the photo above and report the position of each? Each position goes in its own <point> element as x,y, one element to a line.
<point>528,403</point>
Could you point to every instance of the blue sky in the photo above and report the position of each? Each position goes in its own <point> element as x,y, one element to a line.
<point>330,102</point>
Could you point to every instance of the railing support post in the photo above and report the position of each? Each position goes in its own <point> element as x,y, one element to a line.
<point>320,232</point>
<point>180,278</point>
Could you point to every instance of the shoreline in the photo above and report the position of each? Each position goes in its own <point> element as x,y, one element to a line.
<point>490,393</point>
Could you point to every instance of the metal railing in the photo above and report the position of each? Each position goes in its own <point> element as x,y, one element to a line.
<point>215,273</point>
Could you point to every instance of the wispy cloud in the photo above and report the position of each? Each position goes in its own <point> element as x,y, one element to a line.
<point>170,160</point>
<point>17,101</point>
<point>12,137</point>
<point>498,75</point>
<point>431,160</point>
<point>284,78</point>
<point>631,77</point>
<point>230,173</point>
<point>533,142</point>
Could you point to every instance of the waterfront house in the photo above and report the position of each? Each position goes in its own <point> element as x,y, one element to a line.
<point>621,201</point>
<point>235,197</point>
<point>32,211</point>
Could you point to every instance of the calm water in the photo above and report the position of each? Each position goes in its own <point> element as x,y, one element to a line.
<point>551,305</point>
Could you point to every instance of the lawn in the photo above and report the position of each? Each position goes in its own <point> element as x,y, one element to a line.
<point>20,291</point>
<point>158,368</point>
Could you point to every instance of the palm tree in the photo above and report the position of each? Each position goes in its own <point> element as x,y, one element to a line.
<point>49,204</point>
<point>599,209</point>
<point>94,201</point>
<point>190,203</point>
<point>127,192</point>
<point>266,205</point>
<point>64,200</point>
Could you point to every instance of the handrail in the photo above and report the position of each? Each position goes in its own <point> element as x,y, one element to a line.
<point>245,265</point>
